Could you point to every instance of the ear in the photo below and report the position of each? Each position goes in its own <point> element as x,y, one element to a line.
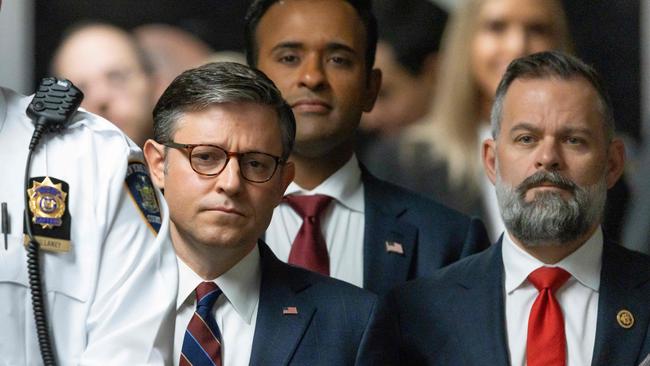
<point>489,153</point>
<point>372,90</point>
<point>154,153</point>
<point>288,173</point>
<point>615,161</point>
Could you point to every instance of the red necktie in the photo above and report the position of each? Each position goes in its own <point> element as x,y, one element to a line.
<point>201,345</point>
<point>308,249</point>
<point>546,343</point>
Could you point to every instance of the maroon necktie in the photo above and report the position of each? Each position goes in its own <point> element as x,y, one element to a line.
<point>546,342</point>
<point>308,249</point>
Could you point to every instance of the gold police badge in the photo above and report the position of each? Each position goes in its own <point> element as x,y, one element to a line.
<point>47,203</point>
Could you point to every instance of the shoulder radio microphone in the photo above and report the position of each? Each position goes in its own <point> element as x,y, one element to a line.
<point>51,109</point>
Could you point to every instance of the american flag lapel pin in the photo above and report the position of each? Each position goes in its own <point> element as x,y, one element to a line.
<point>394,247</point>
<point>290,310</point>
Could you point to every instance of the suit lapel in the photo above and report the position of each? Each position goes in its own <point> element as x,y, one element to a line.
<point>620,279</point>
<point>283,317</point>
<point>481,307</point>
<point>389,245</point>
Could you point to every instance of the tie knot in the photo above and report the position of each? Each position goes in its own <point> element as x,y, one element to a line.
<point>308,206</point>
<point>206,294</point>
<point>548,278</point>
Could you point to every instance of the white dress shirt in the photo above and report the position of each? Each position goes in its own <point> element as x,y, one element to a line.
<point>343,223</point>
<point>578,298</point>
<point>235,310</point>
<point>107,297</point>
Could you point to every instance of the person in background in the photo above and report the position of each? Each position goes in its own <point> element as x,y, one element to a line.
<point>227,56</point>
<point>407,55</point>
<point>171,50</point>
<point>441,156</point>
<point>223,134</point>
<point>554,290</point>
<point>336,217</point>
<point>105,260</point>
<point>107,64</point>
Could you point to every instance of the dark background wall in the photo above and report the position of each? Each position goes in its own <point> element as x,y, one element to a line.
<point>218,22</point>
<point>606,34</point>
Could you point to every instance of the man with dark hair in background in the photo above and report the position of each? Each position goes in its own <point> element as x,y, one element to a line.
<point>107,64</point>
<point>410,32</point>
<point>336,218</point>
<point>407,55</point>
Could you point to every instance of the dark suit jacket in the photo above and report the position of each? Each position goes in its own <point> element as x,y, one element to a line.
<point>431,235</point>
<point>457,317</point>
<point>332,317</point>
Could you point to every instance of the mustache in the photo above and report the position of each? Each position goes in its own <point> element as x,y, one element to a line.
<point>546,177</point>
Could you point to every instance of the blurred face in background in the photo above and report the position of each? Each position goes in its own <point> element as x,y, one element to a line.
<point>507,29</point>
<point>171,50</point>
<point>103,62</point>
<point>404,97</point>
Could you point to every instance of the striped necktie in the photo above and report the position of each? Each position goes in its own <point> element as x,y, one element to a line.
<point>202,345</point>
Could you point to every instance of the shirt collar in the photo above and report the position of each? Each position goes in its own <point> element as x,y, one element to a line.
<point>240,285</point>
<point>584,264</point>
<point>344,186</point>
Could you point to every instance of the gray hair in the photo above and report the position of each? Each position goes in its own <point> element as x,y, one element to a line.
<point>217,83</point>
<point>546,65</point>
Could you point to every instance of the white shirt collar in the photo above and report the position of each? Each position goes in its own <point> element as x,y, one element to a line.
<point>344,186</point>
<point>240,285</point>
<point>584,264</point>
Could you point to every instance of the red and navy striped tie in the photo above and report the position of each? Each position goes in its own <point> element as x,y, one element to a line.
<point>202,345</point>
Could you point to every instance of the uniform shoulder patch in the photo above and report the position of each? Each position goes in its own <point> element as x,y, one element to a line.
<point>143,193</point>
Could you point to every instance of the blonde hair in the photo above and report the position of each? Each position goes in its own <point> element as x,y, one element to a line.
<point>451,129</point>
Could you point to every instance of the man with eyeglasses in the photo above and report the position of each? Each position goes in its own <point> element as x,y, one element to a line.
<point>222,137</point>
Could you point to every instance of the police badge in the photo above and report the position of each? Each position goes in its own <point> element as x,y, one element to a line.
<point>47,203</point>
<point>48,213</point>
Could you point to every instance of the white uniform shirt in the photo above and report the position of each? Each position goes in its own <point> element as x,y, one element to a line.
<point>343,223</point>
<point>235,310</point>
<point>105,298</point>
<point>578,298</point>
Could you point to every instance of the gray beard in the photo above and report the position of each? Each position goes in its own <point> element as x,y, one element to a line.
<point>549,219</point>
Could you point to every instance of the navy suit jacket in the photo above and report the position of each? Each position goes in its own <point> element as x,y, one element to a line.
<point>330,321</point>
<point>457,317</point>
<point>431,235</point>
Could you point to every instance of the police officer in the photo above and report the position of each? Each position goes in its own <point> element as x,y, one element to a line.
<point>104,270</point>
